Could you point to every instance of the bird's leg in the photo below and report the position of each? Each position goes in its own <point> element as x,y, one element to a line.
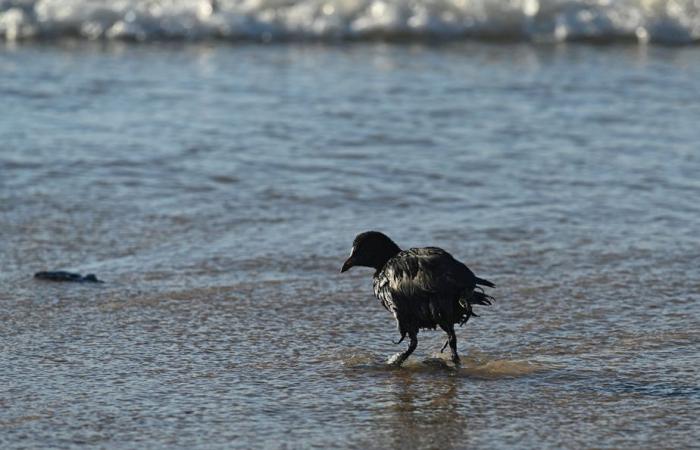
<point>452,339</point>
<point>447,341</point>
<point>411,347</point>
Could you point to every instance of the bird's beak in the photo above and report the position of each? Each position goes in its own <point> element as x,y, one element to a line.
<point>348,264</point>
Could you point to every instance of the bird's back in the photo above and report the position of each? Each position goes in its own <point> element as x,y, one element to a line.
<point>423,287</point>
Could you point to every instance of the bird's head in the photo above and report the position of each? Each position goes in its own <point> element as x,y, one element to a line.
<point>370,249</point>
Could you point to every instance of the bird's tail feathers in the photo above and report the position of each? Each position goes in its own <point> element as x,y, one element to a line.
<point>479,297</point>
<point>484,282</point>
<point>476,297</point>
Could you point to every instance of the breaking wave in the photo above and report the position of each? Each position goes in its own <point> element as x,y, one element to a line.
<point>662,21</point>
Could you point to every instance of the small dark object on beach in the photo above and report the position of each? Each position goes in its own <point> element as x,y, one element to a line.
<point>60,275</point>
<point>421,287</point>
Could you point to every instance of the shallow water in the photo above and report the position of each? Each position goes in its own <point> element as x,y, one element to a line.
<point>217,188</point>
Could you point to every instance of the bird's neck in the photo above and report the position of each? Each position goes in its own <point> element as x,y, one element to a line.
<point>383,257</point>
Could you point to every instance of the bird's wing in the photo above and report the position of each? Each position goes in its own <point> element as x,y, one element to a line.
<point>419,274</point>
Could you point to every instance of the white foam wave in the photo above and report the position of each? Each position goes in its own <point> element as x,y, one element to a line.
<point>665,21</point>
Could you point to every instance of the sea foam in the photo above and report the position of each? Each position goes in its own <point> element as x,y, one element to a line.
<point>663,21</point>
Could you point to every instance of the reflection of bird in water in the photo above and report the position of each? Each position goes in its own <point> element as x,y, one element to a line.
<point>421,287</point>
<point>423,415</point>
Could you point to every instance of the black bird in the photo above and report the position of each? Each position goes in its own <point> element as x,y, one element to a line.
<point>421,287</point>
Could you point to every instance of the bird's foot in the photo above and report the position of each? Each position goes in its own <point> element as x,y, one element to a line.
<point>456,361</point>
<point>397,359</point>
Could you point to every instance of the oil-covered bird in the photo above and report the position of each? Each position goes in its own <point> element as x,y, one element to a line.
<point>421,287</point>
